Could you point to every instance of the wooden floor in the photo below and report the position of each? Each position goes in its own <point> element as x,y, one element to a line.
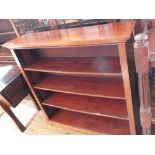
<point>34,120</point>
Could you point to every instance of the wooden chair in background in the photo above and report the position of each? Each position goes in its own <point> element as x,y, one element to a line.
<point>13,89</point>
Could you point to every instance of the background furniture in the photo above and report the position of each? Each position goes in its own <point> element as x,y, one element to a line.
<point>13,90</point>
<point>36,25</point>
<point>6,34</point>
<point>82,77</point>
<point>145,63</point>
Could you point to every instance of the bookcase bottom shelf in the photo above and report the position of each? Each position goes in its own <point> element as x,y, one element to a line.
<point>91,123</point>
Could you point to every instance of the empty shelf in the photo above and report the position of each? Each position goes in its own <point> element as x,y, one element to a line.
<point>91,105</point>
<point>78,66</point>
<point>98,86</point>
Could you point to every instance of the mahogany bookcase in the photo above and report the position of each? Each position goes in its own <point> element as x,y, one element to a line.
<point>82,77</point>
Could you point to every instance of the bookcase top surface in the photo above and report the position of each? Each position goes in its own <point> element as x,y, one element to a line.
<point>112,33</point>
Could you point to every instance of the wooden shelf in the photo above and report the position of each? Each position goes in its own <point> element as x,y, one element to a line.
<point>110,87</point>
<point>6,59</point>
<point>5,54</point>
<point>94,124</point>
<point>7,33</point>
<point>89,105</point>
<point>78,66</point>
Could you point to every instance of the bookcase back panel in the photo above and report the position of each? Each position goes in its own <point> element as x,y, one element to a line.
<point>29,56</point>
<point>87,51</point>
<point>26,56</point>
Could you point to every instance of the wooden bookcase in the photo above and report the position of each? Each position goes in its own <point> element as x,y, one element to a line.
<point>81,77</point>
